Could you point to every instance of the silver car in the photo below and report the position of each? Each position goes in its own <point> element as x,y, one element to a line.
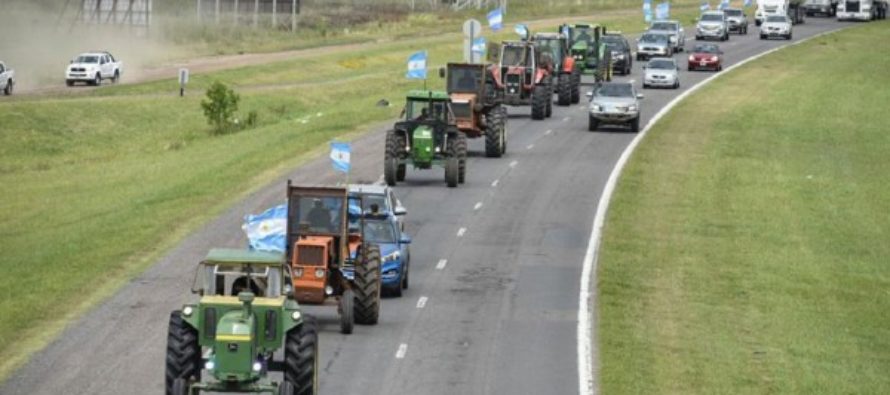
<point>661,72</point>
<point>712,24</point>
<point>775,26</point>
<point>382,196</point>
<point>738,20</point>
<point>614,103</point>
<point>650,45</point>
<point>674,31</point>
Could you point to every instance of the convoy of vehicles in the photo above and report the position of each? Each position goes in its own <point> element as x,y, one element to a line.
<point>92,68</point>
<point>7,79</point>
<point>705,56</point>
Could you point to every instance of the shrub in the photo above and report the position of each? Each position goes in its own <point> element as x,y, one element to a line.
<point>220,106</point>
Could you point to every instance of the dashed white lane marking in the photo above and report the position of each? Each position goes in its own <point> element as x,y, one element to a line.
<point>403,349</point>
<point>422,302</point>
<point>477,206</point>
<point>380,180</point>
<point>548,131</point>
<point>441,264</point>
<point>566,119</point>
<point>513,163</point>
<point>530,146</point>
<point>461,231</point>
<point>495,183</point>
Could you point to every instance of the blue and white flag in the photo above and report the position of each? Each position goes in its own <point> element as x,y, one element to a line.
<point>417,66</point>
<point>747,3</point>
<point>663,11</point>
<point>565,30</point>
<point>521,30</point>
<point>266,232</point>
<point>479,45</point>
<point>723,5</point>
<point>340,156</point>
<point>704,6</point>
<point>496,19</point>
<point>648,16</point>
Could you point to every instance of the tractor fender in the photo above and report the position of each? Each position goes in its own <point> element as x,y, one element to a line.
<point>541,75</point>
<point>496,75</point>
<point>568,65</point>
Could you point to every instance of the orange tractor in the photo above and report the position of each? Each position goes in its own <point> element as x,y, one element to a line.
<point>477,105</point>
<point>330,260</point>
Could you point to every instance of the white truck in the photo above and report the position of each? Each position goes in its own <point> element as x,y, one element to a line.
<point>792,8</point>
<point>92,68</point>
<point>7,79</point>
<point>861,10</point>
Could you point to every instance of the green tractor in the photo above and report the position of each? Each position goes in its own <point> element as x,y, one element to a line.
<point>246,313</point>
<point>428,136</point>
<point>589,50</point>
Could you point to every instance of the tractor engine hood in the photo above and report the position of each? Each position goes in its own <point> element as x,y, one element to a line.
<point>234,349</point>
<point>423,147</point>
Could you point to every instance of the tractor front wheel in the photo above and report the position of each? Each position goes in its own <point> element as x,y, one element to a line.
<point>494,134</point>
<point>451,172</point>
<point>540,96</point>
<point>183,362</point>
<point>367,286</point>
<point>347,319</point>
<point>564,90</point>
<point>301,357</point>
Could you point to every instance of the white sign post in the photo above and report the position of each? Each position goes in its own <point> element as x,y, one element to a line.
<point>183,80</point>
<point>472,30</point>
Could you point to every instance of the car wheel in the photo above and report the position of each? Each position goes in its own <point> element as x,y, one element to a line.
<point>592,123</point>
<point>98,80</point>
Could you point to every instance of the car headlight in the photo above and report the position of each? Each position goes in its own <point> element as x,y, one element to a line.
<point>618,55</point>
<point>713,58</point>
<point>631,107</point>
<point>691,58</point>
<point>391,257</point>
<point>673,39</point>
<point>596,107</point>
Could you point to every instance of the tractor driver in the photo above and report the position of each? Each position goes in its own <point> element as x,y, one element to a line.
<point>424,114</point>
<point>467,81</point>
<point>319,217</point>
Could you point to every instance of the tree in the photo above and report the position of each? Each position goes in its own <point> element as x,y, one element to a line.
<point>220,106</point>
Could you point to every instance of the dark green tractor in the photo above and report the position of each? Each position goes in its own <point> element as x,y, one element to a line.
<point>427,136</point>
<point>589,50</point>
<point>246,313</point>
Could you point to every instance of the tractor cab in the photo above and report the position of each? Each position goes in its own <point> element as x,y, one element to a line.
<point>555,44</point>
<point>320,244</point>
<point>473,94</point>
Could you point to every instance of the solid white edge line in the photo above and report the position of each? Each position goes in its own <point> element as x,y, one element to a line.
<point>586,383</point>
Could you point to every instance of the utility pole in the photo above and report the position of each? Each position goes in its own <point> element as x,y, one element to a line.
<point>274,14</point>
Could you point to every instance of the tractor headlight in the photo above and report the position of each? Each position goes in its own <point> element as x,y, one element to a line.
<point>296,315</point>
<point>391,257</point>
<point>187,311</point>
<point>437,149</point>
<point>319,273</point>
<point>329,290</point>
<point>209,365</point>
<point>257,366</point>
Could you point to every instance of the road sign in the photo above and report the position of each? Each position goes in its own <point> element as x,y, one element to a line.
<point>472,31</point>
<point>183,80</point>
<point>472,28</point>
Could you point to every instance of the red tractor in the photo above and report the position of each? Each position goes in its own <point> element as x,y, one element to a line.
<point>568,75</point>
<point>524,75</point>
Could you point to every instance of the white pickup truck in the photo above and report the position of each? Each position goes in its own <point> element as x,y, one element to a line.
<point>92,68</point>
<point>7,79</point>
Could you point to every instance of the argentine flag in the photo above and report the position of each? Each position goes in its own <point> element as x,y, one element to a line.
<point>663,11</point>
<point>266,232</point>
<point>521,30</point>
<point>479,45</point>
<point>723,5</point>
<point>340,156</point>
<point>496,19</point>
<point>747,3</point>
<point>417,66</point>
<point>705,6</point>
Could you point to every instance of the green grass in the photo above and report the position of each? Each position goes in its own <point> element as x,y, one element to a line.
<point>99,184</point>
<point>746,249</point>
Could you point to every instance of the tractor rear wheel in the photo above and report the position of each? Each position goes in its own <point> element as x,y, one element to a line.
<point>460,151</point>
<point>576,86</point>
<point>451,172</point>
<point>400,172</point>
<point>183,353</point>
<point>564,89</point>
<point>391,165</point>
<point>540,96</point>
<point>346,307</point>
<point>503,128</point>
<point>180,387</point>
<point>367,286</point>
<point>301,357</point>
<point>494,134</point>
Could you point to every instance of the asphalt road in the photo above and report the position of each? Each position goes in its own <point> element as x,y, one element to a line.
<point>496,263</point>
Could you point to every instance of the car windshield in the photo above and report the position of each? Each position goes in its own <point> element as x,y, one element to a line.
<point>615,90</point>
<point>87,59</point>
<point>420,110</point>
<point>653,38</point>
<point>614,42</point>
<point>775,18</point>
<point>733,12</point>
<point>380,231</point>
<point>581,34</point>
<point>706,49</point>
<point>370,200</point>
<point>663,26</point>
<point>662,64</point>
<point>712,17</point>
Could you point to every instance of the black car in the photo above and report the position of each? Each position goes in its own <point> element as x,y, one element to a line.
<point>621,56</point>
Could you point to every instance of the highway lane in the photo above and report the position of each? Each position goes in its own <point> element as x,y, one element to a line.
<point>496,261</point>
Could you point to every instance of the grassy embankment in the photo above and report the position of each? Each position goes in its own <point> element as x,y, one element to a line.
<point>746,250</point>
<point>98,185</point>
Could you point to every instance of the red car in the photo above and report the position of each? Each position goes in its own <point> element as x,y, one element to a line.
<point>706,56</point>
